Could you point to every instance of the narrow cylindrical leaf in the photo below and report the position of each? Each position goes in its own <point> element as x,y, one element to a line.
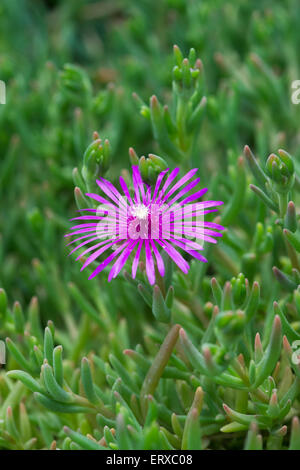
<point>295,434</point>
<point>18,318</point>
<point>16,353</point>
<point>34,319</point>
<point>3,302</point>
<point>290,220</point>
<point>287,329</point>
<point>59,407</point>
<point>83,441</point>
<point>253,302</point>
<point>253,440</point>
<point>158,365</point>
<point>191,439</point>
<point>10,424</point>
<point>217,291</point>
<point>293,238</point>
<point>54,389</point>
<point>26,379</point>
<point>271,355</point>
<point>159,307</point>
<point>25,427</point>
<point>58,365</point>
<point>285,281</point>
<point>87,381</point>
<point>263,196</point>
<point>48,345</point>
<point>255,168</point>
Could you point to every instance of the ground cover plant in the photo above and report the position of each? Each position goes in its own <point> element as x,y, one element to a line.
<point>201,359</point>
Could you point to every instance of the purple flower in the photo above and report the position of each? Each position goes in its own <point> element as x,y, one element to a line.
<point>146,222</point>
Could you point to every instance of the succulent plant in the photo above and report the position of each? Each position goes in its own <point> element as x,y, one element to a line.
<point>192,357</point>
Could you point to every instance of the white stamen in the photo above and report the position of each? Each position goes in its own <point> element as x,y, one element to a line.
<point>140,211</point>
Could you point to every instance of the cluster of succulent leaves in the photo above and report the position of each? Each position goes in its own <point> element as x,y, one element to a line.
<point>199,361</point>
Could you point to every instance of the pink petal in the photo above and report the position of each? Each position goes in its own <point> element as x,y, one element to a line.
<point>159,260</point>
<point>180,183</point>
<point>185,190</point>
<point>94,247</point>
<point>168,181</point>
<point>108,260</point>
<point>136,259</point>
<point>100,199</point>
<point>98,253</point>
<point>149,263</point>
<point>125,189</point>
<point>158,182</point>
<point>195,196</point>
<point>175,255</point>
<point>121,261</point>
<point>137,183</point>
<point>83,244</point>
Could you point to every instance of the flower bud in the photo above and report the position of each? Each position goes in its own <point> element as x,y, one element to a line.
<point>185,74</point>
<point>238,289</point>
<point>96,161</point>
<point>280,170</point>
<point>151,167</point>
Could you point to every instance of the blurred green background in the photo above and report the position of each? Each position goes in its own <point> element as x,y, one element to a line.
<point>250,54</point>
<point>71,68</point>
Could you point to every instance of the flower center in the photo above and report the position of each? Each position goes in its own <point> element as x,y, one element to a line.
<point>140,211</point>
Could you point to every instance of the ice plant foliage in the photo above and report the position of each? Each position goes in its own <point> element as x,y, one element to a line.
<point>204,360</point>
<point>165,217</point>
